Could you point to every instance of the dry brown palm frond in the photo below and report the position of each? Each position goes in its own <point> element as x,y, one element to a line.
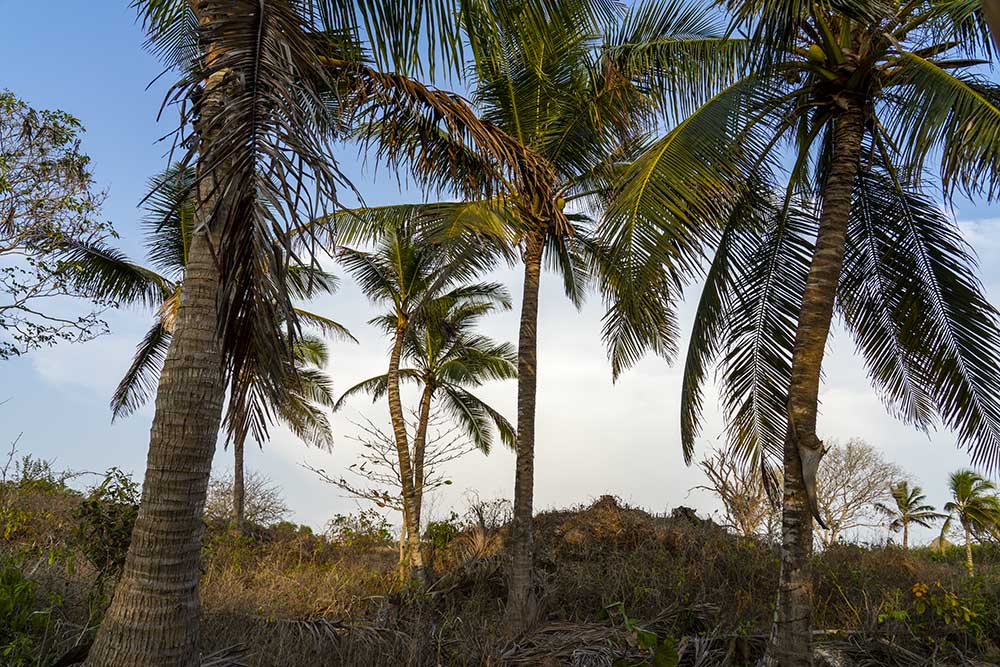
<point>263,139</point>
<point>233,656</point>
<point>596,644</point>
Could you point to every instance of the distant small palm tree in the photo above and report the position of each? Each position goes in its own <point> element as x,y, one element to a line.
<point>447,357</point>
<point>975,505</point>
<point>169,225</point>
<point>423,282</point>
<point>909,507</point>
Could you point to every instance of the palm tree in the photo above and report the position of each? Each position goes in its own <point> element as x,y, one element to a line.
<point>447,356</point>
<point>910,506</point>
<point>581,87</point>
<point>104,270</point>
<point>859,96</point>
<point>976,506</point>
<point>423,282</point>
<point>258,124</point>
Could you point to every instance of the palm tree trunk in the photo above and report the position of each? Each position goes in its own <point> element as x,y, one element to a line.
<point>414,556</point>
<point>239,489</point>
<point>906,535</point>
<point>153,619</point>
<point>791,631</point>
<point>419,449</point>
<point>969,567</point>
<point>520,599</point>
<point>401,566</point>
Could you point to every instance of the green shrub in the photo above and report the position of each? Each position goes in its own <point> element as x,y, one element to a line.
<point>106,517</point>
<point>24,626</point>
<point>439,534</point>
<point>367,528</point>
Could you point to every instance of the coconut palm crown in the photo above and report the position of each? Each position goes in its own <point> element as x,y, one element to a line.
<point>909,507</point>
<point>975,505</point>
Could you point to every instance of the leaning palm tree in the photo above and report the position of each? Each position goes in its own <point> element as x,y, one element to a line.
<point>860,95</point>
<point>420,281</point>
<point>258,123</point>
<point>909,506</point>
<point>446,358</point>
<point>975,505</point>
<point>582,87</point>
<point>103,270</point>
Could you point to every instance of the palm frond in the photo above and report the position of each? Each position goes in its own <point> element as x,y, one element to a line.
<point>325,325</point>
<point>106,273</point>
<point>263,167</point>
<point>140,381</point>
<point>956,115</point>
<point>762,314</point>
<point>945,331</point>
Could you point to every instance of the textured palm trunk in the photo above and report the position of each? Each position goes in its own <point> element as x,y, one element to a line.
<point>991,10</point>
<point>906,536</point>
<point>239,488</point>
<point>791,631</point>
<point>413,556</point>
<point>520,598</point>
<point>419,449</point>
<point>969,567</point>
<point>153,620</point>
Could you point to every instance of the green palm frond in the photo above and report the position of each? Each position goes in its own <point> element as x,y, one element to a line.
<point>944,331</point>
<point>375,387</point>
<point>951,114</point>
<point>169,218</point>
<point>307,421</point>
<point>761,315</point>
<point>324,325</point>
<point>975,502</point>
<point>140,381</point>
<point>311,351</point>
<point>874,298</point>
<point>679,49</point>
<point>741,236</point>
<point>475,417</point>
<point>106,273</point>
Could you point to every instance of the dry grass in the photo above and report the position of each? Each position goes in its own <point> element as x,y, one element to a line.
<point>609,575</point>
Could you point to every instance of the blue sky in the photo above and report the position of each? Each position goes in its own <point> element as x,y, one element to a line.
<point>593,437</point>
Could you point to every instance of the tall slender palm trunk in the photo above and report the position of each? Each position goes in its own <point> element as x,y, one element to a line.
<point>969,567</point>
<point>239,488</point>
<point>791,632</point>
<point>520,599</point>
<point>419,449</point>
<point>412,530</point>
<point>906,535</point>
<point>153,620</point>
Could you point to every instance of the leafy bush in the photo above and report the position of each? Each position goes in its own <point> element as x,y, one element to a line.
<point>367,528</point>
<point>439,534</point>
<point>24,626</point>
<point>106,517</point>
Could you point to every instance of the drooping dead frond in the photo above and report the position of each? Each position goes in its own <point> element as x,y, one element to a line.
<point>264,165</point>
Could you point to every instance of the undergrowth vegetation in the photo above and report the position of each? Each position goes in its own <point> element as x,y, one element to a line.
<point>618,587</point>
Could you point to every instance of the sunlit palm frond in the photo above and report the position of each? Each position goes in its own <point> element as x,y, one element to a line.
<point>375,387</point>
<point>311,351</point>
<point>326,326</point>
<point>168,221</point>
<point>948,113</point>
